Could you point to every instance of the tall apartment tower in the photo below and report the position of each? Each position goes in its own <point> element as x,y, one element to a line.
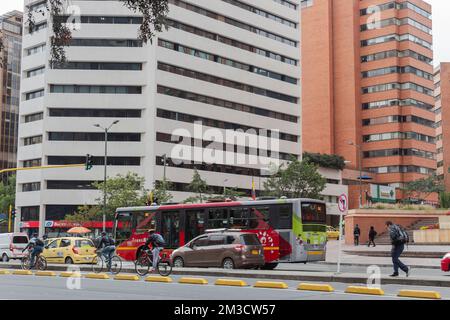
<point>11,39</point>
<point>369,88</point>
<point>230,64</point>
<point>442,96</point>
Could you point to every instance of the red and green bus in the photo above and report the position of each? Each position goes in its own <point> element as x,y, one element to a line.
<point>290,230</point>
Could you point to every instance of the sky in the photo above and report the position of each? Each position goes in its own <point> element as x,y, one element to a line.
<point>441,25</point>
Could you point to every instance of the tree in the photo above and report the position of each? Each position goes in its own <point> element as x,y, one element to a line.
<point>8,194</point>
<point>300,179</point>
<point>121,191</point>
<point>423,188</point>
<point>161,191</point>
<point>198,186</point>
<point>325,160</point>
<point>444,200</point>
<point>154,19</point>
<point>233,193</point>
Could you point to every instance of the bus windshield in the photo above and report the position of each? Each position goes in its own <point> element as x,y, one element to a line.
<point>313,213</point>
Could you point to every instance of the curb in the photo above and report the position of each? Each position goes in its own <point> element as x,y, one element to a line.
<point>158,279</point>
<point>270,285</point>
<point>420,294</point>
<point>187,280</point>
<point>96,276</point>
<point>380,265</point>
<point>45,274</point>
<point>315,287</point>
<point>231,282</point>
<point>365,290</point>
<point>128,277</point>
<point>70,274</point>
<point>22,272</point>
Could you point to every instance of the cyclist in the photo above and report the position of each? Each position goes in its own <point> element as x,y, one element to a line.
<point>158,244</point>
<point>108,246</point>
<point>37,246</point>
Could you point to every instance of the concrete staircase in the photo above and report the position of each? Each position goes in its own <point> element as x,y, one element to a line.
<point>384,238</point>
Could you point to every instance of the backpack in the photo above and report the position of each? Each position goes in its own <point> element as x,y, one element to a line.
<point>39,243</point>
<point>402,235</point>
<point>111,241</point>
<point>159,240</point>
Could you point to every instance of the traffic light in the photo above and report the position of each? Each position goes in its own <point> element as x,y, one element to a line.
<point>89,161</point>
<point>13,214</point>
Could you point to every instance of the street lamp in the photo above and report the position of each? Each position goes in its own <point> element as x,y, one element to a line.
<point>224,187</point>
<point>360,170</point>
<point>105,166</point>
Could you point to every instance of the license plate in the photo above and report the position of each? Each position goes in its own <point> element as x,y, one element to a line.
<point>255,251</point>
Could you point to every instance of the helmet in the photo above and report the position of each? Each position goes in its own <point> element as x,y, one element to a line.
<point>103,233</point>
<point>45,237</point>
<point>35,234</point>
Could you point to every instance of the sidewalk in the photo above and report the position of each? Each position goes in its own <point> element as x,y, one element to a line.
<point>360,260</point>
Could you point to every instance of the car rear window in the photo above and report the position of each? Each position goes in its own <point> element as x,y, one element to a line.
<point>84,243</point>
<point>250,239</point>
<point>20,239</point>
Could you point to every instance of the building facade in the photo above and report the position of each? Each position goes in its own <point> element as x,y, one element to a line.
<point>11,39</point>
<point>442,96</point>
<point>227,64</point>
<point>369,88</point>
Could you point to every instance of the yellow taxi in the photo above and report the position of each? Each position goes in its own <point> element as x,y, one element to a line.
<point>332,233</point>
<point>69,250</point>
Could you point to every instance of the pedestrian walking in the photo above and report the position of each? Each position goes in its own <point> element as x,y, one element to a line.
<point>356,234</point>
<point>399,237</point>
<point>372,235</point>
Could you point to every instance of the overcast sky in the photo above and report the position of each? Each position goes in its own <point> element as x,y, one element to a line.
<point>441,25</point>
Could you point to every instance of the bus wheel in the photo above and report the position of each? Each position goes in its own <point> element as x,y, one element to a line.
<point>269,266</point>
<point>178,262</point>
<point>68,260</point>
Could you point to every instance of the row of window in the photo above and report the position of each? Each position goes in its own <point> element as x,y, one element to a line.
<point>100,19</point>
<point>402,169</point>
<point>225,61</point>
<point>397,102</point>
<point>233,22</point>
<point>95,113</point>
<point>209,167</point>
<point>262,13</point>
<point>398,86</point>
<point>400,152</point>
<point>397,69</point>
<point>226,104</point>
<point>97,161</point>
<point>398,6</point>
<point>399,136</point>
<point>94,136</point>
<point>398,119</point>
<point>36,49</point>
<point>397,37</point>
<point>224,82</point>
<point>35,72</point>
<point>286,4</point>
<point>34,94</point>
<point>72,65</point>
<point>230,42</point>
<point>34,117</point>
<point>168,138</point>
<point>95,89</point>
<point>396,22</point>
<point>178,116</point>
<point>396,54</point>
<point>129,43</point>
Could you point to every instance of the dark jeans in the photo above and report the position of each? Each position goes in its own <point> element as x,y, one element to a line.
<point>356,238</point>
<point>371,241</point>
<point>396,252</point>
<point>108,253</point>
<point>36,251</point>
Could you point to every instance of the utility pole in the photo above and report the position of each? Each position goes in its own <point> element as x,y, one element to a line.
<point>105,169</point>
<point>165,162</point>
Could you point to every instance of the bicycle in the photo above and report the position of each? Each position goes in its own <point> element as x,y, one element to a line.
<point>145,261</point>
<point>40,263</point>
<point>99,263</point>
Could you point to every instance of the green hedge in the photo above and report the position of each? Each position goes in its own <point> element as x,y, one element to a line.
<point>331,161</point>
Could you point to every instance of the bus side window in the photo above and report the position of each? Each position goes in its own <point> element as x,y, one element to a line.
<point>217,218</point>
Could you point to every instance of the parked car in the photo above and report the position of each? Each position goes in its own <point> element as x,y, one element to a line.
<point>69,250</point>
<point>332,233</point>
<point>11,245</point>
<point>227,249</point>
<point>445,263</point>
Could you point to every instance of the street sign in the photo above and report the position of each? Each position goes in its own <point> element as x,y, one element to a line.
<point>343,203</point>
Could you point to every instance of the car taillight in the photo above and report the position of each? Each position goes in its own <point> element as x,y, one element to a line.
<point>75,250</point>
<point>300,242</point>
<point>239,247</point>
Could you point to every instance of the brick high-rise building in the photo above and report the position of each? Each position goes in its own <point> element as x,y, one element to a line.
<point>442,94</point>
<point>11,39</point>
<point>368,88</point>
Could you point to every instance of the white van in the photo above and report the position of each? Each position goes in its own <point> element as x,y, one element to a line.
<point>11,245</point>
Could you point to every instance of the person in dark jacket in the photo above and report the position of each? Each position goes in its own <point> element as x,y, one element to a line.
<point>356,234</point>
<point>108,247</point>
<point>372,235</point>
<point>158,243</point>
<point>397,249</point>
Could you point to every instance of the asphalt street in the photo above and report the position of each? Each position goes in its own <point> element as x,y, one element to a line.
<point>56,288</point>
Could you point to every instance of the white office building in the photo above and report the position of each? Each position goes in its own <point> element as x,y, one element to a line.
<point>230,64</point>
